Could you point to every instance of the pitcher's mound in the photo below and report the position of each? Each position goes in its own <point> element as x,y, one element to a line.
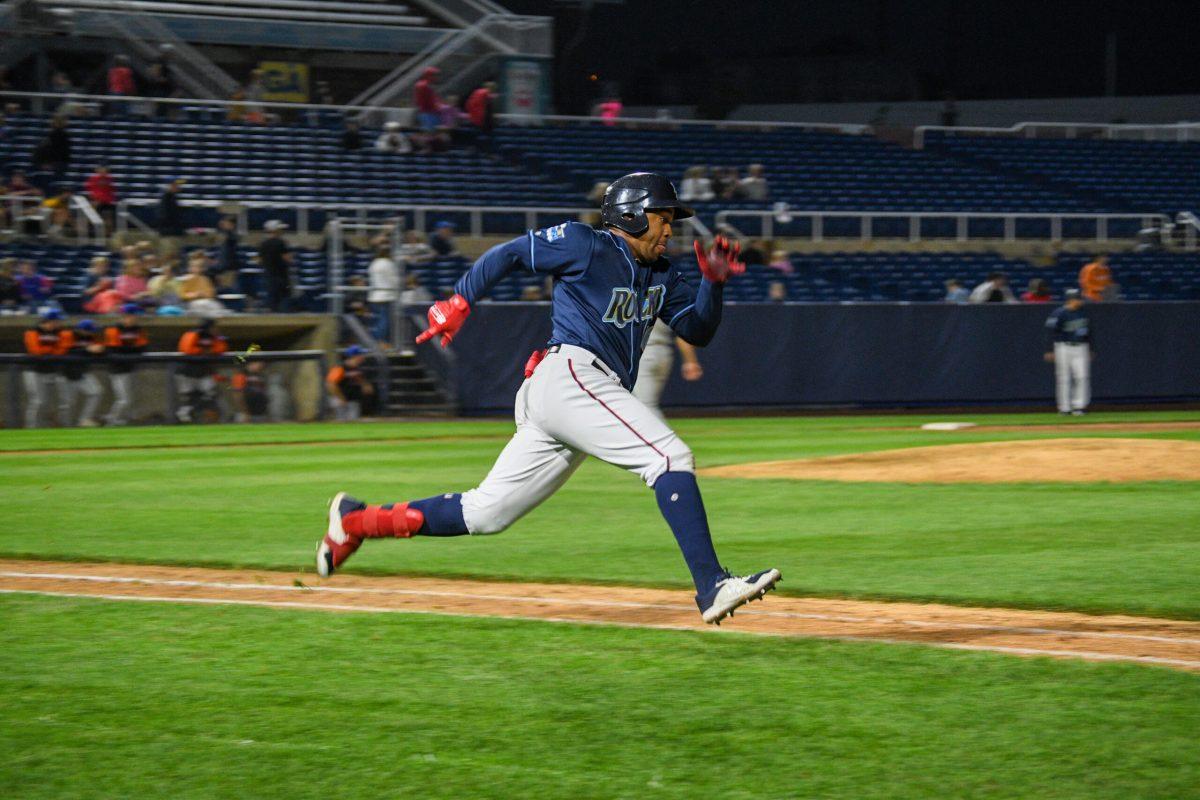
<point>1027,461</point>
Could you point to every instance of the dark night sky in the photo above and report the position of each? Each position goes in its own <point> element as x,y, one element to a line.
<point>661,51</point>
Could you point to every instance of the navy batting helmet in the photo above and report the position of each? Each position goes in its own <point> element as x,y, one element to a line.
<point>627,200</point>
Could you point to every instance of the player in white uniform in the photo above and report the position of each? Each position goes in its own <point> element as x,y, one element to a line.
<point>609,288</point>
<point>1068,332</point>
<point>657,360</point>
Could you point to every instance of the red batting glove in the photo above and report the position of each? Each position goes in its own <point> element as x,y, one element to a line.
<point>721,262</point>
<point>445,318</point>
<point>535,358</point>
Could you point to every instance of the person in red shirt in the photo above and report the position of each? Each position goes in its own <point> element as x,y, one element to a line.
<point>481,107</point>
<point>197,379</point>
<point>1037,292</point>
<point>425,98</point>
<point>120,83</point>
<point>102,191</point>
<point>45,341</point>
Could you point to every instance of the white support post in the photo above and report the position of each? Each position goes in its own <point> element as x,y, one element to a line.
<point>818,228</point>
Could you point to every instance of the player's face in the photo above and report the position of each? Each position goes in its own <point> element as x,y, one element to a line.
<point>652,244</point>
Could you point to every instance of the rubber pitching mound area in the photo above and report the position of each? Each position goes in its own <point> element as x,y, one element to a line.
<point>1026,461</point>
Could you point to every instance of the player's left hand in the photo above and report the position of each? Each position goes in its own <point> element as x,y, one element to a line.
<point>692,371</point>
<point>722,260</point>
<point>445,318</point>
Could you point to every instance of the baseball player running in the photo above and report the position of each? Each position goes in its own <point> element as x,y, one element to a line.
<point>1068,331</point>
<point>610,286</point>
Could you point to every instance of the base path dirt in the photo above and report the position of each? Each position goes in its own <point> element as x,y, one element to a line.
<point>1033,460</point>
<point>1025,633</point>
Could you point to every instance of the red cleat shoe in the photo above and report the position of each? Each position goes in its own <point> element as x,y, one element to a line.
<point>337,545</point>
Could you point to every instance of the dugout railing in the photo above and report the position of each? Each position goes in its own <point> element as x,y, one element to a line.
<point>169,363</point>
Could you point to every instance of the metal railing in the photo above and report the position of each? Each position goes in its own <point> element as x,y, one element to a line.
<point>23,209</point>
<point>418,216</point>
<point>311,113</point>
<point>962,221</point>
<point>1176,132</point>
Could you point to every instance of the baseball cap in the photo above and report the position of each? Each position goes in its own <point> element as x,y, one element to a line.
<point>275,225</point>
<point>131,308</point>
<point>86,325</point>
<point>51,313</point>
<point>1071,294</point>
<point>445,223</point>
<point>355,350</point>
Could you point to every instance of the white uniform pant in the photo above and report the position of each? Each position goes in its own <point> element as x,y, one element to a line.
<point>572,407</point>
<point>89,387</point>
<point>193,390</point>
<point>345,410</point>
<point>1072,373</point>
<point>122,388</point>
<point>37,393</point>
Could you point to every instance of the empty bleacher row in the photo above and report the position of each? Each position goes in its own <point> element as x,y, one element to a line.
<point>823,277</point>
<point>1143,176</point>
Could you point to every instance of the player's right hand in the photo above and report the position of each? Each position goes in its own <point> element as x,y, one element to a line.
<point>721,261</point>
<point>445,318</point>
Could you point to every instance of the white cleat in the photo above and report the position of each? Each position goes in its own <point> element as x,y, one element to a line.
<point>731,592</point>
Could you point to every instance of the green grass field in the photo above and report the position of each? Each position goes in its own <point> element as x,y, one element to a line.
<point>106,699</point>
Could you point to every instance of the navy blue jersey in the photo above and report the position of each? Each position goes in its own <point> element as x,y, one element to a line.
<point>604,299</point>
<point>1065,325</point>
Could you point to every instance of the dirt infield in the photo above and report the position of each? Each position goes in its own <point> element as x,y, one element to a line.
<point>1024,633</point>
<point>1035,460</point>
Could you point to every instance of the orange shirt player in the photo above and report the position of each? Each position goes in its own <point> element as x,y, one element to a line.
<point>1095,278</point>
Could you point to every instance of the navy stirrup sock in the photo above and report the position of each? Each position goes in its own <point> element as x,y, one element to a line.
<point>679,500</point>
<point>443,515</point>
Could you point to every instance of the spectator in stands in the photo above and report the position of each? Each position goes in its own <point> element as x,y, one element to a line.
<point>781,262</point>
<point>754,253</point>
<point>1095,277</point>
<point>956,293</point>
<point>196,379</point>
<point>60,83</point>
<point>54,151</point>
<point>99,294</point>
<point>594,198</point>
<point>777,292</point>
<point>58,207</point>
<point>44,341</point>
<point>696,185</point>
<point>754,186</point>
<point>994,290</point>
<point>19,186</point>
<point>165,288</point>
<point>351,137</point>
<point>1037,292</point>
<point>159,84</point>
<point>229,259</point>
<point>126,338</point>
<point>384,278</point>
<point>121,84</point>
<point>609,110</point>
<point>86,348</point>
<point>275,258</point>
<point>414,293</point>
<point>10,293</point>
<point>350,392</point>
<point>451,116</point>
<point>722,185</point>
<point>102,191</point>
<point>35,288</point>
<point>170,212</point>
<point>415,250</point>
<point>255,89</point>
<point>132,283</point>
<point>197,290</point>
<point>236,110</point>
<point>532,294</point>
<point>481,107</point>
<point>442,239</point>
<point>356,303</point>
<point>393,140</point>
<point>426,100</point>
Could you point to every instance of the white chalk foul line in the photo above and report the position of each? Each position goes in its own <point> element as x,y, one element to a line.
<point>1025,651</point>
<point>757,612</point>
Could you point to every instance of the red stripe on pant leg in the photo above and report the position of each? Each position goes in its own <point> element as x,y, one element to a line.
<point>571,366</point>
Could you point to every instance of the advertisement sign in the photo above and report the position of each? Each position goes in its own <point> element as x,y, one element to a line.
<point>284,81</point>
<point>525,87</point>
